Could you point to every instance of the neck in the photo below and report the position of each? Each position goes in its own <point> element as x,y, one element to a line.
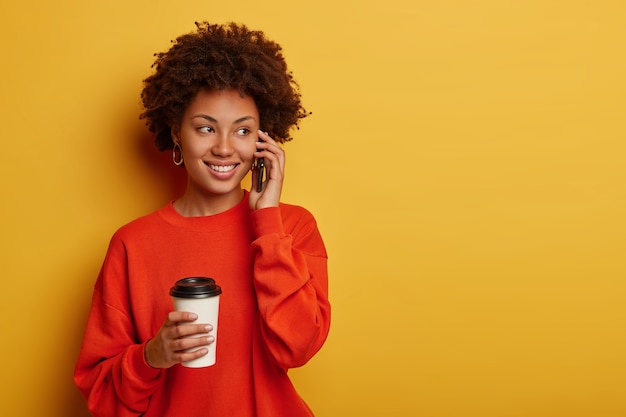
<point>192,204</point>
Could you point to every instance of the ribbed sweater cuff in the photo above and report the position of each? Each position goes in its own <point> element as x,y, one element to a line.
<point>138,366</point>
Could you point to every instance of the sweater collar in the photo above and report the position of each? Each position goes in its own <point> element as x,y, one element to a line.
<point>215,222</point>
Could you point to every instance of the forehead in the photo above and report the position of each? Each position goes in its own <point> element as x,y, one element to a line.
<point>223,105</point>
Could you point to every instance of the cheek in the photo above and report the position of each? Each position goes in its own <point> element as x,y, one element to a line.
<point>195,148</point>
<point>246,150</point>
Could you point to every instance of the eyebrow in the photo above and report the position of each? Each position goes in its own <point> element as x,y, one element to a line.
<point>214,120</point>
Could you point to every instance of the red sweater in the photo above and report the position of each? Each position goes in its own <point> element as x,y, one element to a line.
<point>274,313</point>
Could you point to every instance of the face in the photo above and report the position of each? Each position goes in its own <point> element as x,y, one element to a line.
<point>218,135</point>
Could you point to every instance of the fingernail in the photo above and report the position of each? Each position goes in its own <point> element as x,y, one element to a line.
<point>193,316</point>
<point>208,327</point>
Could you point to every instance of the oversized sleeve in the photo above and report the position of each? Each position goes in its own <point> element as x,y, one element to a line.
<point>111,371</point>
<point>291,283</point>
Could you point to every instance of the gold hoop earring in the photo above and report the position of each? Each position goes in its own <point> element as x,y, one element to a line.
<point>180,151</point>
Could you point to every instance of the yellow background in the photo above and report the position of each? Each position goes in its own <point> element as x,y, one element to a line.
<point>465,162</point>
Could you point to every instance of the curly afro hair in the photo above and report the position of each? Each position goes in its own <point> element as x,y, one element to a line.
<point>221,57</point>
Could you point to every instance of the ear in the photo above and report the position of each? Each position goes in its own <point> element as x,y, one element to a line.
<point>175,133</point>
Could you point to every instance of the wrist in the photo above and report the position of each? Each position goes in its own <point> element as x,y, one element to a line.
<point>148,354</point>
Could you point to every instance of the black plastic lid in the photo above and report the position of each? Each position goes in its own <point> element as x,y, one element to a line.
<point>195,287</point>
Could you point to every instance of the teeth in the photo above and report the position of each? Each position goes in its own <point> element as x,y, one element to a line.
<point>222,168</point>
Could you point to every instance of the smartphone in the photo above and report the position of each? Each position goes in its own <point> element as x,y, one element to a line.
<point>260,166</point>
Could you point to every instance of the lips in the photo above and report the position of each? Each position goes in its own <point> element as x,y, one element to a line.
<point>222,168</point>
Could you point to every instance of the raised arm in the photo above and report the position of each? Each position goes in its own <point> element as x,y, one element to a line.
<point>291,282</point>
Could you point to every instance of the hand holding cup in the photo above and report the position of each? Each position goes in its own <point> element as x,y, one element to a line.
<point>179,340</point>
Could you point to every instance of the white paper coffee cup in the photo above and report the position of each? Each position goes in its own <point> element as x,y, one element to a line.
<point>199,295</point>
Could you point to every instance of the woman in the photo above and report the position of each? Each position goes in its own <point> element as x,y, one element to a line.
<point>220,99</point>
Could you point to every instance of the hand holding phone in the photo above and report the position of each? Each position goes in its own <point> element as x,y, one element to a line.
<point>269,163</point>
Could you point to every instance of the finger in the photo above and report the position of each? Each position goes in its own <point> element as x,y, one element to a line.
<point>266,141</point>
<point>273,155</point>
<point>174,317</point>
<point>189,356</point>
<point>187,330</point>
<point>275,166</point>
<point>269,144</point>
<point>192,342</point>
<point>265,137</point>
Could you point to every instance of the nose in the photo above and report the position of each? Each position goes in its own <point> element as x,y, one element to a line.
<point>223,146</point>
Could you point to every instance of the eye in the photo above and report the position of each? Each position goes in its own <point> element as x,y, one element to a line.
<point>205,129</point>
<point>243,131</point>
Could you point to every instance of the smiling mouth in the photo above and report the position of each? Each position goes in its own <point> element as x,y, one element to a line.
<point>223,168</point>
